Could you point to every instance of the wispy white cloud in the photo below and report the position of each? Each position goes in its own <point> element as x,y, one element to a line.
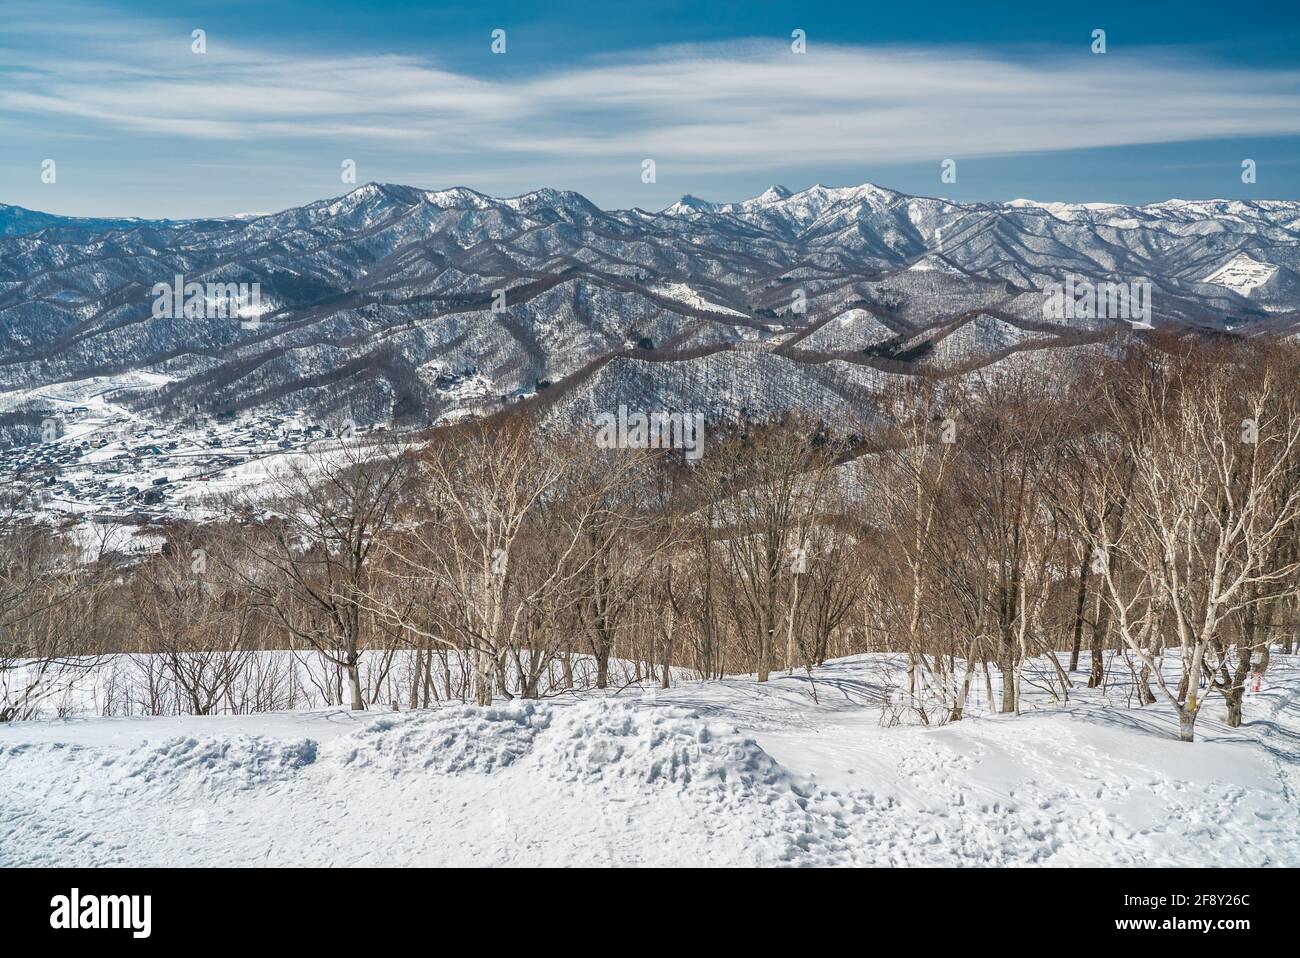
<point>742,106</point>
<point>141,125</point>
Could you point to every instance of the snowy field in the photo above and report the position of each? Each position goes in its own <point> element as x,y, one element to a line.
<point>708,773</point>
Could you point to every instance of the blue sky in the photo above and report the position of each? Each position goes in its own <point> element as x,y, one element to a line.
<point>138,124</point>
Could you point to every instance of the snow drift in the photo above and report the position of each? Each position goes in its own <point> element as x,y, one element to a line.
<point>719,773</point>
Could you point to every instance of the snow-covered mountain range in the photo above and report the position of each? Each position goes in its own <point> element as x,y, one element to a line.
<point>392,303</point>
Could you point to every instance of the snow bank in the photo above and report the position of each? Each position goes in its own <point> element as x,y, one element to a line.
<point>463,738</point>
<point>212,764</point>
<point>721,773</point>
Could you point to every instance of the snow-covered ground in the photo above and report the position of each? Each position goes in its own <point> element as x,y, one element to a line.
<point>1242,274</point>
<point>727,772</point>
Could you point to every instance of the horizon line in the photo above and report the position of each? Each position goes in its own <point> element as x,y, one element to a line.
<point>1025,201</point>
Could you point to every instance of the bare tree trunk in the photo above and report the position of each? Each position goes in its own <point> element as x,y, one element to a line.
<point>414,699</point>
<point>1008,670</point>
<point>960,704</point>
<point>484,676</point>
<point>354,683</point>
<point>1100,625</point>
<point>1233,698</point>
<point>602,665</point>
<point>1078,610</point>
<point>1145,695</point>
<point>789,634</point>
<point>1236,680</point>
<point>668,647</point>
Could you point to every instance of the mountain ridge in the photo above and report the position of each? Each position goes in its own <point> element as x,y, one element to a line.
<point>28,220</point>
<point>395,303</point>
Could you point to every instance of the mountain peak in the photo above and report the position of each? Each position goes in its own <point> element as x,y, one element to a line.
<point>548,196</point>
<point>773,194</point>
<point>457,196</point>
<point>691,204</point>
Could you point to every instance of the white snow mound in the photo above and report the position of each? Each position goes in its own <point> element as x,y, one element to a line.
<point>462,738</point>
<point>191,763</point>
<point>604,740</point>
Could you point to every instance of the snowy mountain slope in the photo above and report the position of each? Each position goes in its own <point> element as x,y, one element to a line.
<point>724,384</point>
<point>371,299</point>
<point>803,770</point>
